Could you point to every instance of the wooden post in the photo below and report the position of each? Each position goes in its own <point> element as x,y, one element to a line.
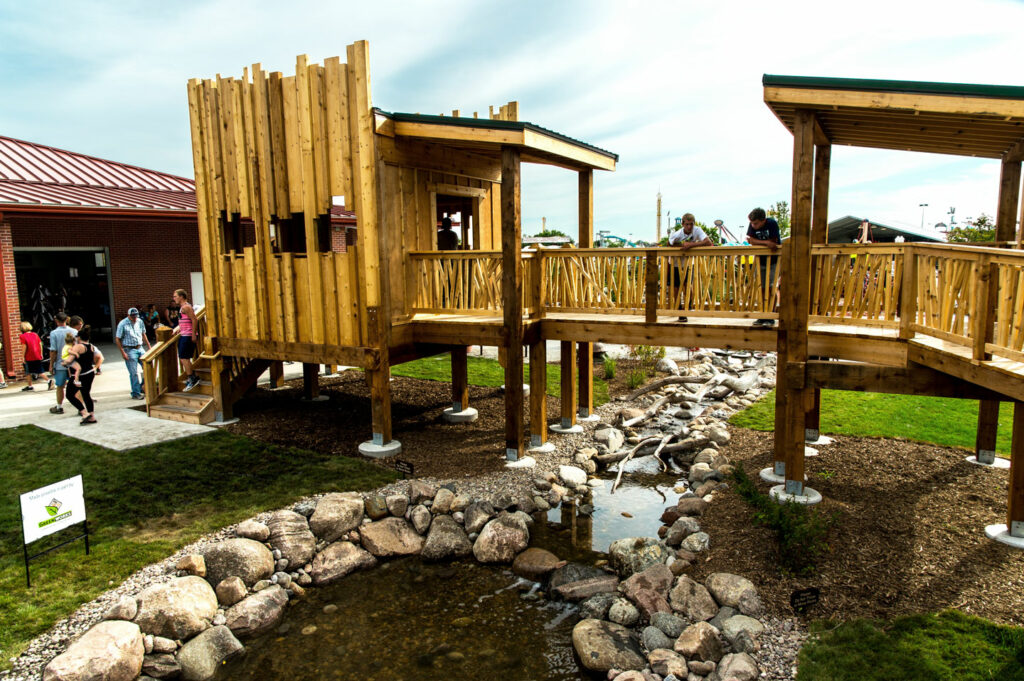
<point>512,302</point>
<point>538,393</point>
<point>585,351</point>
<point>819,216</point>
<point>460,378</point>
<point>792,343</point>
<point>276,374</point>
<point>651,288</point>
<point>908,293</point>
<point>1009,197</point>
<point>1015,506</point>
<point>568,384</point>
<point>310,381</point>
<point>988,428</point>
<point>812,415</point>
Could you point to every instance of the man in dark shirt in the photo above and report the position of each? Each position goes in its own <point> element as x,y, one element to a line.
<point>447,240</point>
<point>764,231</point>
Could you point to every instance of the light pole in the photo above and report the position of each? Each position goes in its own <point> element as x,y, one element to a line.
<point>922,206</point>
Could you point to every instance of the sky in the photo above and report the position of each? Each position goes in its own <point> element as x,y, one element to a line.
<point>674,88</point>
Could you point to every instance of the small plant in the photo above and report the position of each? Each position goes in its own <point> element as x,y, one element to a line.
<point>647,357</point>
<point>635,379</point>
<point>609,368</point>
<point>801,531</point>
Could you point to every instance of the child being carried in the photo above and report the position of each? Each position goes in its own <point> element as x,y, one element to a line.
<point>74,368</point>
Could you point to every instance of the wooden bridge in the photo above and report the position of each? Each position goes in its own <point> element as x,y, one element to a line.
<point>273,153</point>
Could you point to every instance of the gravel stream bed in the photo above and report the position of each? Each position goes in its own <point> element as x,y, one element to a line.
<point>780,642</point>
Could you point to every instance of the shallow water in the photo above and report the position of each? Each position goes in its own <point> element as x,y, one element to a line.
<point>461,621</point>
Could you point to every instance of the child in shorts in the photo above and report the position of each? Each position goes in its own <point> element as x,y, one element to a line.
<point>74,368</point>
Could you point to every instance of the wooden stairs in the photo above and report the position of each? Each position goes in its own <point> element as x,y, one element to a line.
<point>188,407</point>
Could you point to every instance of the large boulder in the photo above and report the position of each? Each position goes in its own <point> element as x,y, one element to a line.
<point>289,533</point>
<point>636,554</point>
<point>201,657</point>
<point>571,475</point>
<point>612,438</point>
<point>681,529</point>
<point>737,667</point>
<point>742,632</point>
<point>586,588</point>
<point>534,563</point>
<point>648,590</point>
<point>338,560</point>
<point>244,558</point>
<point>110,651</point>
<point>691,506</point>
<point>177,609</point>
<point>336,515</point>
<point>664,662</point>
<point>391,537</point>
<point>693,600</point>
<point>257,614</point>
<point>420,491</point>
<point>446,540</point>
<point>252,529</point>
<point>420,518</point>
<point>605,645</point>
<point>574,572</point>
<point>443,501</point>
<point>735,592</point>
<point>476,515</point>
<point>699,642</point>
<point>501,539</point>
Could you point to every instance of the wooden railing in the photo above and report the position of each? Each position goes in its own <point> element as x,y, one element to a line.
<point>461,282</point>
<point>160,367</point>
<point>609,280</point>
<point>945,281</point>
<point>857,284</point>
<point>730,281</point>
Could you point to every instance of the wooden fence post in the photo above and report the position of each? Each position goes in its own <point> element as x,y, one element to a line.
<point>651,288</point>
<point>908,293</point>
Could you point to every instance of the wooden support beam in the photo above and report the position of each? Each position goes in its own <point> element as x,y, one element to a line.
<point>908,293</point>
<point>1015,506</point>
<point>538,393</point>
<point>276,374</point>
<point>792,337</point>
<point>988,428</point>
<point>913,379</point>
<point>1009,199</point>
<point>312,353</point>
<point>819,216</point>
<point>568,397</point>
<point>651,288</point>
<point>585,353</point>
<point>586,240</point>
<point>512,301</point>
<point>380,404</point>
<point>812,415</point>
<point>460,378</point>
<point>310,381</point>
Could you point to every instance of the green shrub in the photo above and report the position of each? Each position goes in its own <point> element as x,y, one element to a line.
<point>647,357</point>
<point>609,368</point>
<point>801,531</point>
<point>635,379</point>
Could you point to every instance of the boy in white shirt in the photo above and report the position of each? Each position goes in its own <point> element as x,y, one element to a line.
<point>688,236</point>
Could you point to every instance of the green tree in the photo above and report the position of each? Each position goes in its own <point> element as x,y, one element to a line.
<point>977,230</point>
<point>780,211</point>
<point>554,232</point>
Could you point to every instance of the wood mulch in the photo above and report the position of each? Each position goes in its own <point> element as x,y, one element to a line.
<point>435,448</point>
<point>910,538</point>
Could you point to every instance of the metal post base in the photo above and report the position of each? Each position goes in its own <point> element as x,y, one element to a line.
<point>811,434</point>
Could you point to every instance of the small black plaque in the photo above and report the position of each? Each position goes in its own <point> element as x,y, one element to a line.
<point>405,467</point>
<point>802,599</point>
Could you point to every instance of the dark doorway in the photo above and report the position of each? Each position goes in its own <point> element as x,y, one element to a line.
<point>75,282</point>
<point>460,210</point>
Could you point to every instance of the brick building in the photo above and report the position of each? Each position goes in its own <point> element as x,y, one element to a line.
<point>95,237</point>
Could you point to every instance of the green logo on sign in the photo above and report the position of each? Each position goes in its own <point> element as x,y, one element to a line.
<point>53,508</point>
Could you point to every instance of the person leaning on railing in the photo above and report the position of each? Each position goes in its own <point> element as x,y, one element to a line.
<point>688,236</point>
<point>764,231</point>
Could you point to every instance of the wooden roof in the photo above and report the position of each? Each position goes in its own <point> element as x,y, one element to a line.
<point>986,121</point>
<point>536,144</point>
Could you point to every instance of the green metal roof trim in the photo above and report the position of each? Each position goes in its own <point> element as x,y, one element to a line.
<point>907,86</point>
<point>494,125</point>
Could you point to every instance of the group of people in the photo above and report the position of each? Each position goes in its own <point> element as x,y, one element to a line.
<point>761,231</point>
<point>74,361</point>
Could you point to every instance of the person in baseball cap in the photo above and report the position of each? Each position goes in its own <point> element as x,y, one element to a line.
<point>130,338</point>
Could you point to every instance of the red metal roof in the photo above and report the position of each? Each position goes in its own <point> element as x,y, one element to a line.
<point>37,175</point>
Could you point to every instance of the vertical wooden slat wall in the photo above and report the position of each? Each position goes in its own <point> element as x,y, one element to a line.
<point>265,147</point>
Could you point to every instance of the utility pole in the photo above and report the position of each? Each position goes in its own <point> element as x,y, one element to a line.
<point>658,230</point>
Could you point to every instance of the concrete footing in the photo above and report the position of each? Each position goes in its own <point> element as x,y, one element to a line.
<point>808,498</point>
<point>769,475</point>
<point>810,451</point>
<point>1001,534</point>
<point>385,451</point>
<point>996,462</point>
<point>564,429</point>
<point>524,462</point>
<point>821,441</point>
<point>218,423</point>
<point>590,418</point>
<point>526,389</point>
<point>542,448</point>
<point>467,415</point>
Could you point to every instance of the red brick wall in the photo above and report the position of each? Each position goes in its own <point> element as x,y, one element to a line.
<point>149,258</point>
<point>11,325</point>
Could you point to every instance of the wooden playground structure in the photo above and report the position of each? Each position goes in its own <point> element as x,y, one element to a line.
<point>273,153</point>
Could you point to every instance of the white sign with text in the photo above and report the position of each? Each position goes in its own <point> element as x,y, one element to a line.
<point>52,508</point>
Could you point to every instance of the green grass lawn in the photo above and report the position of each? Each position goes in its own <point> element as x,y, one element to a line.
<point>947,646</point>
<point>143,505</point>
<point>938,420</point>
<point>489,373</point>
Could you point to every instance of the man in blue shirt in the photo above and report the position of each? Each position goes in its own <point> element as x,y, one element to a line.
<point>764,231</point>
<point>130,337</point>
<point>59,372</point>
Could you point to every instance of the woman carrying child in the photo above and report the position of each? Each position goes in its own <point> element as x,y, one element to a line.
<point>89,360</point>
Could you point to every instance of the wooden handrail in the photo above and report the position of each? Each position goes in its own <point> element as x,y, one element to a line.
<point>160,363</point>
